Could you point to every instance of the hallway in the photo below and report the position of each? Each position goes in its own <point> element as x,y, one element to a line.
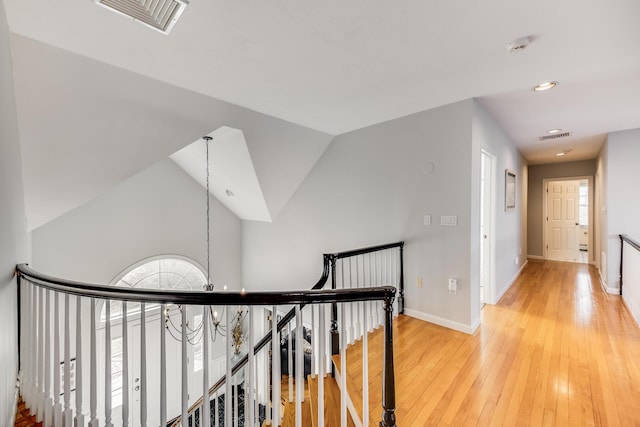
<point>556,351</point>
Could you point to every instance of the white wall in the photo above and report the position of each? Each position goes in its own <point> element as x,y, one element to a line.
<point>623,211</point>
<point>510,229</point>
<point>159,211</point>
<point>373,186</point>
<point>13,240</point>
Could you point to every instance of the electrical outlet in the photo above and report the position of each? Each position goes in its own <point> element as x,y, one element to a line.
<point>426,220</point>
<point>516,260</point>
<point>418,282</point>
<point>453,286</point>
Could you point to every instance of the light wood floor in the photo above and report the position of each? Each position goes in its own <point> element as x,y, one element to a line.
<point>556,351</point>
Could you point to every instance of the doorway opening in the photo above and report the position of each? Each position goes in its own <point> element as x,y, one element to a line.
<point>487,221</point>
<point>568,219</point>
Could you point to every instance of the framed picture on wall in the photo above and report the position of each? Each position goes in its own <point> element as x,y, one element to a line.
<point>509,190</point>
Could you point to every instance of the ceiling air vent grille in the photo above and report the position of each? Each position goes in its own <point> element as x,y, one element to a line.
<point>160,15</point>
<point>556,136</point>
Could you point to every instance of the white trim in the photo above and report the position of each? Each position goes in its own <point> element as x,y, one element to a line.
<point>633,309</point>
<point>535,257</point>
<point>456,326</point>
<point>603,283</point>
<point>355,417</point>
<point>506,288</point>
<point>491,286</point>
<point>12,415</point>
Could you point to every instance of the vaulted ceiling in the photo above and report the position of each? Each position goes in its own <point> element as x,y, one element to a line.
<point>101,97</point>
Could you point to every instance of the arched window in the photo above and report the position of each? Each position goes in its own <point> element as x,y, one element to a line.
<point>161,272</point>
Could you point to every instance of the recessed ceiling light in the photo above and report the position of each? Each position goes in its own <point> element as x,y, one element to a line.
<point>552,131</point>
<point>545,86</point>
<point>564,152</point>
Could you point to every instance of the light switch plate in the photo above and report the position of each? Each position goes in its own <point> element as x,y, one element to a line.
<point>449,220</point>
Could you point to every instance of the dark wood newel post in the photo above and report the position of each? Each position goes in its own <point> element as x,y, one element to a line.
<point>388,374</point>
<point>335,335</point>
<point>19,296</point>
<point>401,296</point>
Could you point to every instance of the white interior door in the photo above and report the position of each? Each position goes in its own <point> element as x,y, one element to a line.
<point>562,217</point>
<point>485,227</point>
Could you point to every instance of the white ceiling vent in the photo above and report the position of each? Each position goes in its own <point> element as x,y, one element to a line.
<point>555,136</point>
<point>160,15</point>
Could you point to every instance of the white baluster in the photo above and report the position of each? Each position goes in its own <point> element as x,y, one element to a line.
<point>372,282</point>
<point>323,364</point>
<point>235,399</point>
<point>290,361</point>
<point>48,350</point>
<point>365,370</point>
<point>343,368</point>
<point>249,403</point>
<point>299,366</point>
<point>27,352</point>
<point>352,329</point>
<point>265,383</point>
<point>163,365</point>
<point>93,382</point>
<point>357,304</point>
<point>228,392</point>
<point>57,408</point>
<point>185,385</point>
<point>205,414</point>
<point>143,365</point>
<point>216,404</point>
<point>379,280</point>
<point>314,342</point>
<point>275,368</point>
<point>79,415</point>
<point>68,413</point>
<point>125,365</point>
<point>107,364</point>
<point>22,324</point>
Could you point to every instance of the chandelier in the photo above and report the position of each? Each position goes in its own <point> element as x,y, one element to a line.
<point>195,334</point>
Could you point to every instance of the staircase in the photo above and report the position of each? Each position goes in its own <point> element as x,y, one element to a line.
<point>310,404</point>
<point>24,417</point>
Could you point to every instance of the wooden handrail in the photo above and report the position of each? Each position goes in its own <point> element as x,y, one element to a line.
<point>633,244</point>
<point>317,295</point>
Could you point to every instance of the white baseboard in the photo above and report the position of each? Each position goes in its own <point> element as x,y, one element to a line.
<point>456,326</point>
<point>12,415</point>
<point>607,289</point>
<point>534,257</point>
<point>355,417</point>
<point>511,282</point>
<point>633,309</point>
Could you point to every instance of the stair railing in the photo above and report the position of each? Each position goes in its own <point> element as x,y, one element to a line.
<point>43,365</point>
<point>370,266</point>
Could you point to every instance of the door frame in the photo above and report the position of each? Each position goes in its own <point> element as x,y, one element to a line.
<point>545,182</point>
<point>490,292</point>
